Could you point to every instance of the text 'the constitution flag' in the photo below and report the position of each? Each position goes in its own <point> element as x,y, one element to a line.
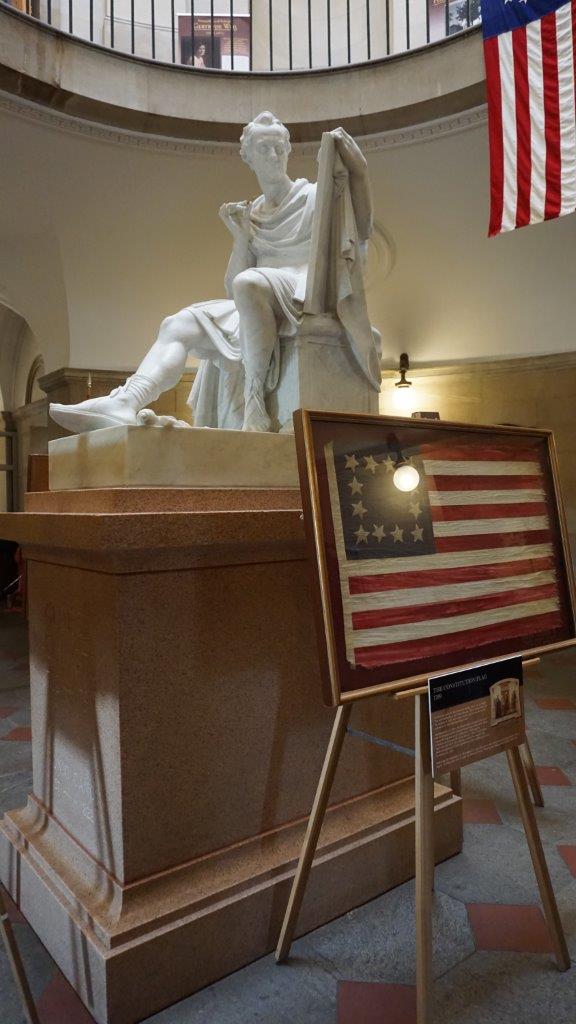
<point>529,48</point>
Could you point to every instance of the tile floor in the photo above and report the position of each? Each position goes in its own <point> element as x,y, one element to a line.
<point>492,960</point>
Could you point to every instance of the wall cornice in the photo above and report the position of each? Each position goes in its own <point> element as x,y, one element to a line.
<point>554,362</point>
<point>56,121</point>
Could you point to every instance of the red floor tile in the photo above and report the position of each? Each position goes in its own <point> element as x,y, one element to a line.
<point>59,1004</point>
<point>21,734</point>
<point>511,928</point>
<point>361,1002</point>
<point>480,812</point>
<point>6,712</point>
<point>568,853</point>
<point>556,704</point>
<point>550,776</point>
<point>11,909</point>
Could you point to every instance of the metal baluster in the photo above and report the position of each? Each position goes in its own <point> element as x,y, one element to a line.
<point>348,30</point>
<point>232,34</point>
<point>192,33</point>
<point>290,34</point>
<point>427,2</point>
<point>368,41</point>
<point>250,43</point>
<point>447,18</point>
<point>172,22</point>
<point>468,20</point>
<point>388,28</point>
<point>112,24</point>
<point>132,30</point>
<point>153,28</point>
<point>329,32</point>
<point>270,37</point>
<point>407,24</point>
<point>49,12</point>
<point>309,34</point>
<point>70,17</point>
<point>91,21</point>
<point>212,58</point>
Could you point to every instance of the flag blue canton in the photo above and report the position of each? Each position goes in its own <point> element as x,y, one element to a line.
<point>378,520</point>
<point>500,16</point>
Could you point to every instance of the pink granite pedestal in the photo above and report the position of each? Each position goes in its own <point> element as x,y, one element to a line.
<point>178,735</point>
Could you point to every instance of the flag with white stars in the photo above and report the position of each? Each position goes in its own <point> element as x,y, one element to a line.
<point>380,521</point>
<point>458,562</point>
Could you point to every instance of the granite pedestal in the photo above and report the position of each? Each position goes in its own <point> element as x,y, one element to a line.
<point>178,735</point>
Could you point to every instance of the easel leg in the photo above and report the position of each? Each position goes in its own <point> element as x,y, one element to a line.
<point>313,831</point>
<point>538,859</point>
<point>456,782</point>
<point>530,769</point>
<point>17,966</point>
<point>424,861</point>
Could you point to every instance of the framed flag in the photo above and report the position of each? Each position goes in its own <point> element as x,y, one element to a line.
<point>434,545</point>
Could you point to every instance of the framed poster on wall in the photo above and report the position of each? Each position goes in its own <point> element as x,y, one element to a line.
<point>435,545</point>
<point>215,41</point>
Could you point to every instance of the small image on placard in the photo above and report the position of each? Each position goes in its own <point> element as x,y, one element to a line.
<point>504,701</point>
<point>475,713</point>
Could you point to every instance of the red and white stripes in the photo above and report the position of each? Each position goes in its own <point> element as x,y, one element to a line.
<point>531,105</point>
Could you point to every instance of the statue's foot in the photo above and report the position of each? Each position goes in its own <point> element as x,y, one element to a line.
<point>255,416</point>
<point>109,411</point>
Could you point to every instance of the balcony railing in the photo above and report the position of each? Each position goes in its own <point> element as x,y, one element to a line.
<point>256,35</point>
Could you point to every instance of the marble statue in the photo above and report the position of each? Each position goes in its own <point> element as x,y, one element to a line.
<point>237,338</point>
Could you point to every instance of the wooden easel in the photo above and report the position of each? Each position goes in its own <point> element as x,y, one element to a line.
<point>17,966</point>
<point>424,816</point>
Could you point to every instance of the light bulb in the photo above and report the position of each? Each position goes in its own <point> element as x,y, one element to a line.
<point>406,478</point>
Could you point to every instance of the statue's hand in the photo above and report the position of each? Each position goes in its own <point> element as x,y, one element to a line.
<point>236,217</point>
<point>351,154</point>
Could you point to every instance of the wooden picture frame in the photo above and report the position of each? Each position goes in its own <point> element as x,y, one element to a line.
<point>497,572</point>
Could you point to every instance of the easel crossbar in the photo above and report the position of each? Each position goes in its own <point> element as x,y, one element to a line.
<point>381,742</point>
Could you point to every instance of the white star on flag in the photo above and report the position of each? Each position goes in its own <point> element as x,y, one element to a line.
<point>355,486</point>
<point>362,535</point>
<point>379,532</point>
<point>397,533</point>
<point>351,462</point>
<point>371,464</point>
<point>358,509</point>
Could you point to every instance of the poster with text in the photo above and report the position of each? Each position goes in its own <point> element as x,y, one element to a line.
<point>475,714</point>
<point>215,41</point>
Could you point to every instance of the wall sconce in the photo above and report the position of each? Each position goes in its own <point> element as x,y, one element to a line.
<point>403,367</point>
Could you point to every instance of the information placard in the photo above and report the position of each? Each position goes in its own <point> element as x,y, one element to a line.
<point>475,713</point>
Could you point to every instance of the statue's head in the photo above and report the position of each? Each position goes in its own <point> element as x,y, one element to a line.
<point>265,145</point>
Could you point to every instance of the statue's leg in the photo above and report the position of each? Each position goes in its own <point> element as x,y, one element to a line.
<point>180,335</point>
<point>259,315</point>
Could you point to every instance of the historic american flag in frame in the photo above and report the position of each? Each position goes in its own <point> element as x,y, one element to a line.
<point>435,545</point>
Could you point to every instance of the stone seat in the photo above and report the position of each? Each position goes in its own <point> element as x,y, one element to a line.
<point>318,371</point>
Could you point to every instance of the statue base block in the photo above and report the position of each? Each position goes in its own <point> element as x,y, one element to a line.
<point>172,457</point>
<point>178,735</point>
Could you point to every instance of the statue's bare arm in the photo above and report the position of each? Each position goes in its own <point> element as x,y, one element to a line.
<point>236,217</point>
<point>355,163</point>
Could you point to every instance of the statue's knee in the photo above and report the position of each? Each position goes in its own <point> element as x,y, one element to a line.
<point>172,327</point>
<point>249,286</point>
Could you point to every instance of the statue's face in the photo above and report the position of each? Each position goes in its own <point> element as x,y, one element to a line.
<point>268,155</point>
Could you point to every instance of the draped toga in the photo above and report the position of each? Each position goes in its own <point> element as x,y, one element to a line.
<point>280,249</point>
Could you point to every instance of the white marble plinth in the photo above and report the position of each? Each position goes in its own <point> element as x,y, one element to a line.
<point>163,457</point>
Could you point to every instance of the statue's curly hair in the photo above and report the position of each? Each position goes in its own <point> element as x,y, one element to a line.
<point>264,120</point>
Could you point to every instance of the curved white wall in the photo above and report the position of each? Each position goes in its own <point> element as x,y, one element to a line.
<point>100,239</point>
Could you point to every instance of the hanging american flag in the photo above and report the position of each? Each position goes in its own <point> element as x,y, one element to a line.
<point>463,560</point>
<point>529,54</point>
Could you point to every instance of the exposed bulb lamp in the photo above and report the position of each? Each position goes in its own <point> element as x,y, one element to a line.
<point>406,477</point>
<point>403,367</point>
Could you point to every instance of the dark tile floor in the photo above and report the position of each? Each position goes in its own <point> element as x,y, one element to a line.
<point>492,961</point>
